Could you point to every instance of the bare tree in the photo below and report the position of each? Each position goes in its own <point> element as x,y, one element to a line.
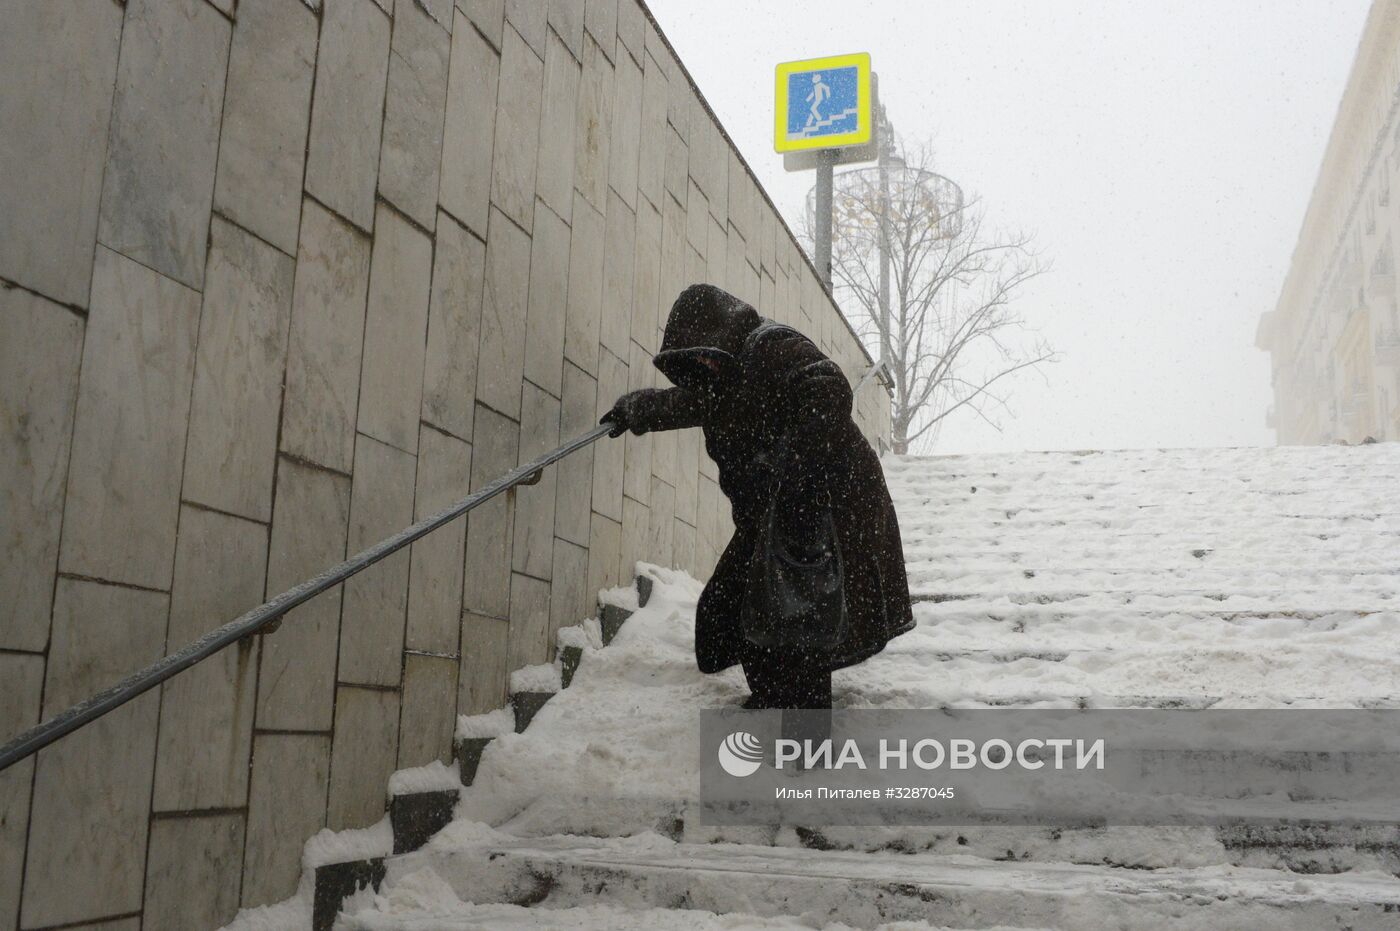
<point>950,335</point>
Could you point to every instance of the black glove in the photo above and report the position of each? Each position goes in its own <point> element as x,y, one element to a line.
<point>820,385</point>
<point>631,412</point>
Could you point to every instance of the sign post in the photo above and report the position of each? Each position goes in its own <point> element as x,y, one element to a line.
<point>826,164</point>
<point>824,117</point>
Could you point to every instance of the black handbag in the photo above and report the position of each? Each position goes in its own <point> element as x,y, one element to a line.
<point>795,596</point>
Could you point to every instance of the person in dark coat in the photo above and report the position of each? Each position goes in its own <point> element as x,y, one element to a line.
<point>761,390</point>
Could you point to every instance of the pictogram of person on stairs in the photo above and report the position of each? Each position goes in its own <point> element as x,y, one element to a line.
<point>821,92</point>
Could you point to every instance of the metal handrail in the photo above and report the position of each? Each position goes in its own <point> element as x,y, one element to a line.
<point>109,699</point>
<point>881,366</point>
<point>36,738</point>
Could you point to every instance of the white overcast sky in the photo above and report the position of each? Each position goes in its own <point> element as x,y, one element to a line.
<point>1162,153</point>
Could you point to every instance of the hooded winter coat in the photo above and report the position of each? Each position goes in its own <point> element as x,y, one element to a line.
<point>767,393</point>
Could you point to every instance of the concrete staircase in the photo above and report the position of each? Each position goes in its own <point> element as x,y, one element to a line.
<point>1257,578</point>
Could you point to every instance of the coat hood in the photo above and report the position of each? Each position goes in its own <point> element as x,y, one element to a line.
<point>705,322</point>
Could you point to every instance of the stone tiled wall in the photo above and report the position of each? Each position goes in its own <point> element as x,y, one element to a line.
<point>276,278</point>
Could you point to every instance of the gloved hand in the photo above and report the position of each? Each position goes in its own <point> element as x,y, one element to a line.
<point>631,412</point>
<point>820,387</point>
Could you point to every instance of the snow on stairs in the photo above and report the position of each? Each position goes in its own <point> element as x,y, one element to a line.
<point>1218,578</point>
<point>1204,578</point>
<point>866,890</point>
<point>341,866</point>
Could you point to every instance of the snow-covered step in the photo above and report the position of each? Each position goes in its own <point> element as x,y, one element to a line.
<point>933,473</point>
<point>1162,520</point>
<point>423,901</point>
<point>1209,600</point>
<point>1071,666</point>
<point>530,688</point>
<point>1364,839</point>
<point>1057,638</point>
<point>1335,556</point>
<point>960,688</point>
<point>1081,555</point>
<point>1219,550</point>
<point>1151,576</point>
<point>1244,463</point>
<point>1378,673</point>
<point>946,614</point>
<point>1351,499</point>
<point>1367,591</point>
<point>1209,541</point>
<point>421,800</point>
<point>1311,847</point>
<point>864,889</point>
<point>1072,490</point>
<point>1254,467</point>
<point>1151,624</point>
<point>995,536</point>
<point>1316,841</point>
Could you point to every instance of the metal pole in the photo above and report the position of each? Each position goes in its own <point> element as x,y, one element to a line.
<point>826,162</point>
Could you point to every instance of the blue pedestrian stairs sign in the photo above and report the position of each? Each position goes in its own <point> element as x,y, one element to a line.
<point>823,103</point>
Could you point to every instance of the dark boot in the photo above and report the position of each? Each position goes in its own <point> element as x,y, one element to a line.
<point>786,679</point>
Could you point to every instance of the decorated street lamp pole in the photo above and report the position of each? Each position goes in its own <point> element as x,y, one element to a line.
<point>887,155</point>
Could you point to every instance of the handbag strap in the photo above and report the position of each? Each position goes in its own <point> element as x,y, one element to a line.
<point>776,468</point>
<point>763,331</point>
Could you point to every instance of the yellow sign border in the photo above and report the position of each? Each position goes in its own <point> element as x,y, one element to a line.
<point>861,134</point>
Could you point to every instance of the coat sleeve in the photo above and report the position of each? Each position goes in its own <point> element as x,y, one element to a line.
<point>814,398</point>
<point>812,406</point>
<point>668,409</point>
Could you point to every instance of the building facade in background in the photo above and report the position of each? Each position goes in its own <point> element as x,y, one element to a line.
<point>1335,334</point>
